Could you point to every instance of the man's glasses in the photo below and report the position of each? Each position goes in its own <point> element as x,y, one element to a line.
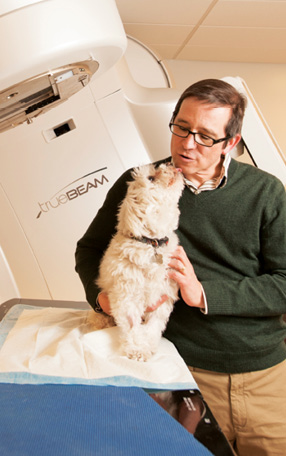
<point>199,138</point>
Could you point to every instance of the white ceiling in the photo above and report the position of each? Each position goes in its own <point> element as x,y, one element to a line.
<point>209,30</point>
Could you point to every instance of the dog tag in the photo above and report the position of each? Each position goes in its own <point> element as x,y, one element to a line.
<point>159,258</point>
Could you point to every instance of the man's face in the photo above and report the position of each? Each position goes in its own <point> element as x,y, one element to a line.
<point>201,163</point>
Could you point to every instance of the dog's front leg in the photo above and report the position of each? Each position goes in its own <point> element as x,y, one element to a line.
<point>155,323</point>
<point>142,340</point>
<point>129,320</point>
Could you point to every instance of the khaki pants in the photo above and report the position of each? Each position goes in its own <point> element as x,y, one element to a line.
<point>250,408</point>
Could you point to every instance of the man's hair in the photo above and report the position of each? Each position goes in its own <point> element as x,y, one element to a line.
<point>218,93</point>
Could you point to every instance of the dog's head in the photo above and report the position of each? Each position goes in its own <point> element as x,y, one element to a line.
<point>150,207</point>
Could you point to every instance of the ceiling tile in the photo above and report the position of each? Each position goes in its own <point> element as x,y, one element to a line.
<point>237,45</point>
<point>224,30</point>
<point>158,34</point>
<point>183,12</point>
<point>236,37</point>
<point>223,54</point>
<point>248,14</point>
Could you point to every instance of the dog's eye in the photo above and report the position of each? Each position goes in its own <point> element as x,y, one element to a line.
<point>151,178</point>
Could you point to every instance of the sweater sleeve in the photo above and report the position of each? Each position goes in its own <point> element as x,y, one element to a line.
<point>90,248</point>
<point>263,295</point>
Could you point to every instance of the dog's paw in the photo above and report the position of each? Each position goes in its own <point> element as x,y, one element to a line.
<point>138,355</point>
<point>136,344</point>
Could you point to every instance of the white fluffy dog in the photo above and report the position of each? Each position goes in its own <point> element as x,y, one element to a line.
<point>133,270</point>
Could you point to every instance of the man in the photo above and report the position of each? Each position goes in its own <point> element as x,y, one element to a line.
<point>230,267</point>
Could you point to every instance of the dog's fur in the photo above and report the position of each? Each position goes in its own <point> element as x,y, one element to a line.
<point>133,272</point>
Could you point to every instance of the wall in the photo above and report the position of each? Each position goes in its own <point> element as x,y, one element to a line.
<point>267,83</point>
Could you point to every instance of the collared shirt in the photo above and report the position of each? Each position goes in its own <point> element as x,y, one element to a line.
<point>213,183</point>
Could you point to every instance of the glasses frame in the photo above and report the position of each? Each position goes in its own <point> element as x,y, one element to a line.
<point>189,132</point>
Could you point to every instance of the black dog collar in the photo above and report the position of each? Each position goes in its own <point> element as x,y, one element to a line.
<point>154,242</point>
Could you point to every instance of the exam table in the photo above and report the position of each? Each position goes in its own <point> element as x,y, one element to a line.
<point>77,419</point>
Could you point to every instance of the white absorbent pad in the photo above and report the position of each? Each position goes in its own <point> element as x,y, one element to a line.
<point>56,345</point>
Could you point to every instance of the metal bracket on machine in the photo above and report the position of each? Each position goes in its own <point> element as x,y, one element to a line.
<point>22,102</point>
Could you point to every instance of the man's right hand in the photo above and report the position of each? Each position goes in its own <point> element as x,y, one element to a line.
<point>105,305</point>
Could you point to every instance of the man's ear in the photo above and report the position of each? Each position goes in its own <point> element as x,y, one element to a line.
<point>231,143</point>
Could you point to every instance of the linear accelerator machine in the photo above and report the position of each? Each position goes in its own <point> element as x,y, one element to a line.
<point>79,104</point>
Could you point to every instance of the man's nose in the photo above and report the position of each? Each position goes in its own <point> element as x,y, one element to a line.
<point>189,141</point>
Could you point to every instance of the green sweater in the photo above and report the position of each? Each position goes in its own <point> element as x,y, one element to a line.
<point>235,237</point>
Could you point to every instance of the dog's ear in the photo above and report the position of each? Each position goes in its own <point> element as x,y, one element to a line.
<point>143,171</point>
<point>135,172</point>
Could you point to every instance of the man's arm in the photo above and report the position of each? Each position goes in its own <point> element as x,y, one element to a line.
<point>262,295</point>
<point>91,247</point>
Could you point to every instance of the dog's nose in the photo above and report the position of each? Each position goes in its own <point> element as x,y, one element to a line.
<point>173,179</point>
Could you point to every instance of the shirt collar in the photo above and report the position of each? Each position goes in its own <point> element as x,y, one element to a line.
<point>213,183</point>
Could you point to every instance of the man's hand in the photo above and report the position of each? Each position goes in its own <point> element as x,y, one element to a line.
<point>157,304</point>
<point>182,272</point>
<point>105,305</point>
